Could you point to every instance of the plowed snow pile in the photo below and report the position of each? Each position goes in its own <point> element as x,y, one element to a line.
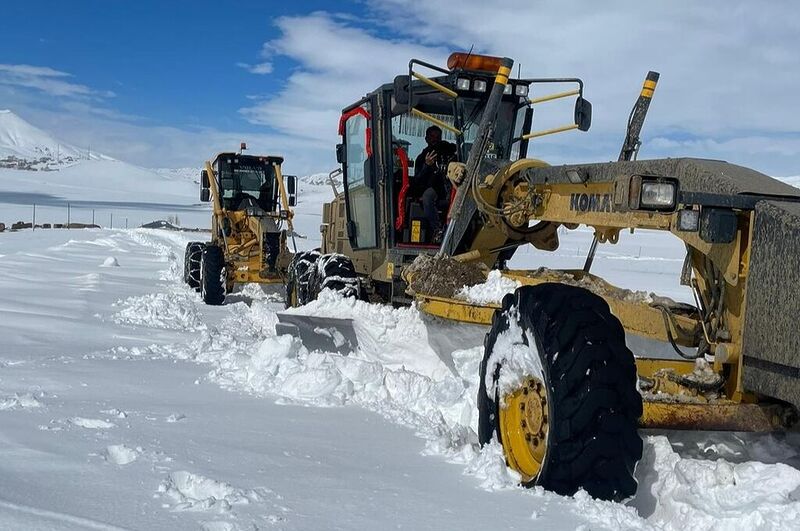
<point>398,372</point>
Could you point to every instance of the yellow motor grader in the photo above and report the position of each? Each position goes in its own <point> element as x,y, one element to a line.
<point>252,220</point>
<point>572,366</point>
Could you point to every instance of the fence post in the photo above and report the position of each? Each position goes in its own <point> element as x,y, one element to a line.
<point>68,215</point>
<point>92,216</point>
<point>126,223</point>
<point>111,223</point>
<point>34,217</point>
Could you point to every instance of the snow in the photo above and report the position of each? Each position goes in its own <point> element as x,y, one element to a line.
<point>191,413</point>
<point>20,139</point>
<point>127,403</point>
<point>516,352</point>
<point>119,454</point>
<point>91,424</point>
<point>490,292</point>
<point>716,494</point>
<point>193,492</point>
<point>111,261</point>
<point>20,401</point>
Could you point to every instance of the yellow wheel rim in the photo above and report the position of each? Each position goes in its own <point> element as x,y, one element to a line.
<point>524,427</point>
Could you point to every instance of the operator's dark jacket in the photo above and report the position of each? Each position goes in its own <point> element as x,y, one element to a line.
<point>432,176</point>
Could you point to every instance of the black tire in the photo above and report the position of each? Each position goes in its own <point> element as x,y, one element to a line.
<point>590,382</point>
<point>212,275</point>
<point>191,264</point>
<point>336,272</point>
<point>298,278</point>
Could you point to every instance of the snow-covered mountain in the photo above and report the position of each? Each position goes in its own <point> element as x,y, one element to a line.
<point>794,181</point>
<point>36,168</point>
<point>26,147</point>
<point>187,174</point>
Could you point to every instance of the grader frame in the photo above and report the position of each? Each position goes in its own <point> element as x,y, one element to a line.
<point>712,206</point>
<point>247,230</point>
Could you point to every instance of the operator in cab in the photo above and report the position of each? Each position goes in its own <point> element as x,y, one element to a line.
<point>430,178</point>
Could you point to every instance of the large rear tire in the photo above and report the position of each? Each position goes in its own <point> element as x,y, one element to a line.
<point>298,278</point>
<point>212,275</point>
<point>558,391</point>
<point>335,272</point>
<point>191,264</point>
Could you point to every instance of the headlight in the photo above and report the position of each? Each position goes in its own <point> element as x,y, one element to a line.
<point>507,89</point>
<point>462,83</point>
<point>688,220</point>
<point>657,195</point>
<point>479,85</point>
<point>521,90</point>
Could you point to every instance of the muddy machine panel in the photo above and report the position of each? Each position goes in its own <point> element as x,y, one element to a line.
<point>772,335</point>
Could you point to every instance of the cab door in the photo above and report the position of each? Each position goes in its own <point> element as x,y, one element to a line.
<point>360,175</point>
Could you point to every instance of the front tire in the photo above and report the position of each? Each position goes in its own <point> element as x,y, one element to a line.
<point>335,272</point>
<point>558,391</point>
<point>212,275</point>
<point>191,264</point>
<point>298,278</point>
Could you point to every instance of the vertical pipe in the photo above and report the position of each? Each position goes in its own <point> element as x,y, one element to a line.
<point>462,210</point>
<point>630,146</point>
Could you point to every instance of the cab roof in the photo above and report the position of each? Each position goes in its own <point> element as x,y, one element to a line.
<point>265,158</point>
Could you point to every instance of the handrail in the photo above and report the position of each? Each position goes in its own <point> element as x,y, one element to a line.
<point>552,131</point>
<point>438,86</point>
<point>432,119</point>
<point>555,96</point>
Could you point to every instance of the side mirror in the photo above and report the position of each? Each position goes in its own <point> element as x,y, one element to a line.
<point>291,189</point>
<point>204,179</point>
<point>583,114</point>
<point>205,195</point>
<point>340,153</point>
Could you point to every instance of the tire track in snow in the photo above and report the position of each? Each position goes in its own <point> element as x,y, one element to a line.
<point>59,517</point>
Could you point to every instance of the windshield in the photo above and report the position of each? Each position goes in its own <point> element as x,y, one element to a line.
<point>409,130</point>
<point>252,179</point>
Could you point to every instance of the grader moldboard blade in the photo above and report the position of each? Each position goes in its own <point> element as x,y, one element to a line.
<point>327,334</point>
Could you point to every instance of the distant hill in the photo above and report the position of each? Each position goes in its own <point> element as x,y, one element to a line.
<point>188,174</point>
<point>26,147</point>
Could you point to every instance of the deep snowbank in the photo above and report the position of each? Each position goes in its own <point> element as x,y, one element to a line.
<point>399,373</point>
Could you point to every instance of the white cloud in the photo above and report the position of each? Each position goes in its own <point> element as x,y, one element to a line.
<point>726,68</point>
<point>728,71</point>
<point>725,64</point>
<point>47,80</point>
<point>338,63</point>
<point>258,68</point>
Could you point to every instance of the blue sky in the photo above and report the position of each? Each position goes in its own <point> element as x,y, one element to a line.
<point>169,83</point>
<point>170,62</point>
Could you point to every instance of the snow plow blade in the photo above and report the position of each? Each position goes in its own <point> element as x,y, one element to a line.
<point>325,334</point>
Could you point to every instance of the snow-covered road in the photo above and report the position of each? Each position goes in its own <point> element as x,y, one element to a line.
<point>127,403</point>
